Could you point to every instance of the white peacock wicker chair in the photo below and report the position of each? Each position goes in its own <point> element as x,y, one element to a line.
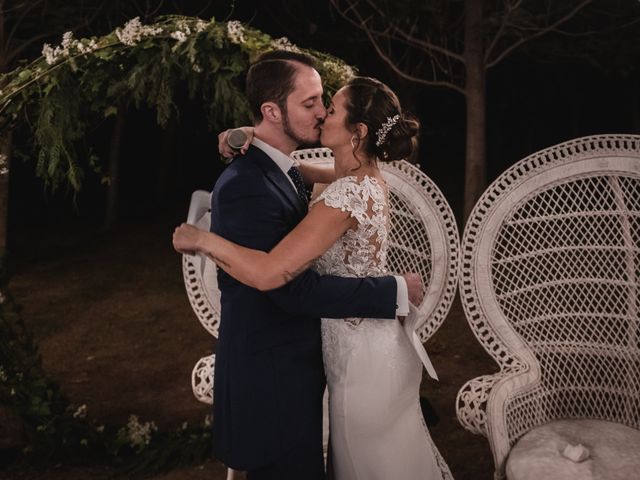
<point>423,239</point>
<point>550,285</point>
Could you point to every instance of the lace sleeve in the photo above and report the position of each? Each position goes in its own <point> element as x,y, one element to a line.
<point>347,195</point>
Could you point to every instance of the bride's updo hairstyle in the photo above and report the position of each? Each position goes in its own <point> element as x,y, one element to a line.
<point>392,134</point>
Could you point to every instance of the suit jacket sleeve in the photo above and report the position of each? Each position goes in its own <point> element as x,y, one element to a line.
<point>247,210</point>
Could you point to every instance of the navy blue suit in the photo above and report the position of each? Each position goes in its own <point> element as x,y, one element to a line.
<point>269,375</point>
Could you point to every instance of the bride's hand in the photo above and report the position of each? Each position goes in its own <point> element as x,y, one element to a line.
<point>186,238</point>
<point>229,152</point>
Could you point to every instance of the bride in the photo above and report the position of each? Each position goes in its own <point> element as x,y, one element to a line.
<point>373,372</point>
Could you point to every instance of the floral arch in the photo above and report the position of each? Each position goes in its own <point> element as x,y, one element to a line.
<point>59,97</point>
<point>81,81</point>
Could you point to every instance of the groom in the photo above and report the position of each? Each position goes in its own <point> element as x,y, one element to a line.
<point>269,376</point>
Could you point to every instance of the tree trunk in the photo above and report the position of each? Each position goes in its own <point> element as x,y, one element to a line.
<point>111,210</point>
<point>475,156</point>
<point>5,166</point>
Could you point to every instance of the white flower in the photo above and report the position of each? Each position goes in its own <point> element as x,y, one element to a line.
<point>54,54</point>
<point>3,375</point>
<point>134,31</point>
<point>88,48</point>
<point>49,54</point>
<point>67,40</point>
<point>185,425</point>
<point>184,26</point>
<point>342,70</point>
<point>139,434</point>
<point>201,25</point>
<point>235,31</point>
<point>283,43</point>
<point>81,412</point>
<point>100,428</point>
<point>197,68</point>
<point>179,36</point>
<point>4,169</point>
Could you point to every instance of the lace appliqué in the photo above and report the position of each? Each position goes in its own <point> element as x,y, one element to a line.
<point>361,252</point>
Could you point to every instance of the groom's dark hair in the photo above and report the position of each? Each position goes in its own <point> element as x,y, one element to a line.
<point>271,78</point>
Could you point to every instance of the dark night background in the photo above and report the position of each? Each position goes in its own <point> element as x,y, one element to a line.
<point>534,100</point>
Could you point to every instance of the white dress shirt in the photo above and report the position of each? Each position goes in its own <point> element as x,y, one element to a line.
<point>285,162</point>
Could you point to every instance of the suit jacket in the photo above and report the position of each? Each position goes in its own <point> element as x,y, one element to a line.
<point>269,375</point>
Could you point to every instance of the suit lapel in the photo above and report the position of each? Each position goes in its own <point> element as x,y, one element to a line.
<point>278,178</point>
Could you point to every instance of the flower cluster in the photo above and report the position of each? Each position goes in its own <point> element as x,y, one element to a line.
<point>81,412</point>
<point>201,25</point>
<point>235,31</point>
<point>337,69</point>
<point>386,128</point>
<point>54,54</point>
<point>283,43</point>
<point>182,32</point>
<point>134,31</point>
<point>139,434</point>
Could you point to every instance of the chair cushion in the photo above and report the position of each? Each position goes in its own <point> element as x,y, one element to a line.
<point>614,452</point>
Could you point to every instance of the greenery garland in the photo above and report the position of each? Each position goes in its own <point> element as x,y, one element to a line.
<point>81,81</point>
<point>59,96</point>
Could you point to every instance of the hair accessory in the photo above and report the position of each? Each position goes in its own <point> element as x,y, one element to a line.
<point>385,128</point>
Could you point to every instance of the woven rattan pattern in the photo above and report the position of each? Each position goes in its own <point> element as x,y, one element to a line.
<point>562,265</point>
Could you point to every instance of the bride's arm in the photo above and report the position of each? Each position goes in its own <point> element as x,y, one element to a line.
<point>313,236</point>
<point>225,150</point>
<point>312,173</point>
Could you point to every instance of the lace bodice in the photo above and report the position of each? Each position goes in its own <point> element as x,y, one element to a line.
<point>360,252</point>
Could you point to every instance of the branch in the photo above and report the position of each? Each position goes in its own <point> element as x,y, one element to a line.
<point>503,24</point>
<point>601,31</point>
<point>13,53</point>
<point>403,74</point>
<point>371,33</point>
<point>21,18</point>
<point>425,44</point>
<point>540,32</point>
<point>12,94</point>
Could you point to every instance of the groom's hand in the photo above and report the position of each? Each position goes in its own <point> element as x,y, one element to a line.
<point>414,287</point>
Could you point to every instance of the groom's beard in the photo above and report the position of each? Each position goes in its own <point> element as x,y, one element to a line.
<point>301,142</point>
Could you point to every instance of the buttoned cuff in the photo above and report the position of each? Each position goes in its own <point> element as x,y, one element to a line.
<point>402,297</point>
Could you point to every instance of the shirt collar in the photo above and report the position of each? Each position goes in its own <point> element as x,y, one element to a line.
<point>284,162</point>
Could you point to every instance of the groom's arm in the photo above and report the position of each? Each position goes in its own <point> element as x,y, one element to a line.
<point>330,296</point>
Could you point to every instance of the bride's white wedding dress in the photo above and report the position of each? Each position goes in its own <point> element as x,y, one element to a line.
<point>373,373</point>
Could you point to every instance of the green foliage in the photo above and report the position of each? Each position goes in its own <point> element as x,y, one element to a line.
<point>75,85</point>
<point>59,432</point>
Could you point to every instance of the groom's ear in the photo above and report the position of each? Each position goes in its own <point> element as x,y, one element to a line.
<point>271,112</point>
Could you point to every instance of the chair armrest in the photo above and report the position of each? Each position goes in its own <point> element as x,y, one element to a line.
<point>471,402</point>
